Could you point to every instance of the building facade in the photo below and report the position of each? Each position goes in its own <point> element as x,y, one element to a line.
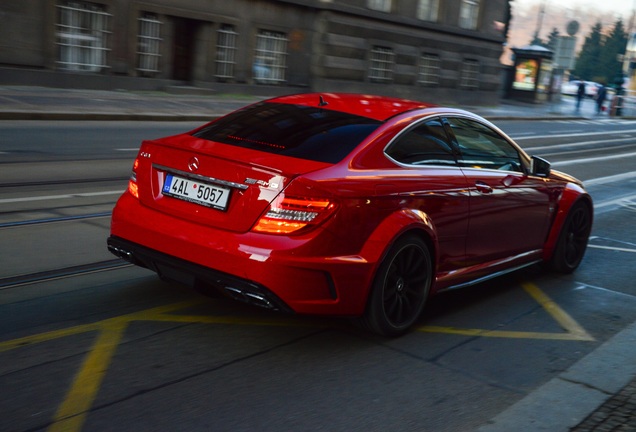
<point>442,50</point>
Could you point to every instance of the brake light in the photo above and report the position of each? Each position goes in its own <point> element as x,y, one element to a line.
<point>287,215</point>
<point>133,188</point>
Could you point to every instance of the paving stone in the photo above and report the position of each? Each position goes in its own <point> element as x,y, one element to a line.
<point>617,414</point>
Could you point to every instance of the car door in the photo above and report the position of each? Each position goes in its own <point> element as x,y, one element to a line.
<point>429,180</point>
<point>509,209</point>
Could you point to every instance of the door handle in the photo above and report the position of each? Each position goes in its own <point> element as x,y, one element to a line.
<point>483,187</point>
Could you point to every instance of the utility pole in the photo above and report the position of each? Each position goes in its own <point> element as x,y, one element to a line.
<point>630,54</point>
<point>540,22</point>
<point>630,27</point>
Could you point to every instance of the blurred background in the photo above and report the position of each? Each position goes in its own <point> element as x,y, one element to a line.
<point>460,51</point>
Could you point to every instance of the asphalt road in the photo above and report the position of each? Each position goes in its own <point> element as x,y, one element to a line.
<point>89,343</point>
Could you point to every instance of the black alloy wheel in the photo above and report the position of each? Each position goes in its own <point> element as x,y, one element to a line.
<point>400,288</point>
<point>573,239</point>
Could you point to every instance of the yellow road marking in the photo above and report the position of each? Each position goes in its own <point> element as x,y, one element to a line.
<point>47,336</point>
<point>573,330</point>
<point>565,320</point>
<point>231,320</point>
<point>56,334</point>
<point>502,333</point>
<point>71,414</point>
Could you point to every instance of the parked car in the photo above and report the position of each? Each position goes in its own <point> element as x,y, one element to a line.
<point>350,205</point>
<point>572,87</point>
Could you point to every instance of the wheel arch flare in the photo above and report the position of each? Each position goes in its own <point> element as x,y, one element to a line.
<point>393,227</point>
<point>571,195</point>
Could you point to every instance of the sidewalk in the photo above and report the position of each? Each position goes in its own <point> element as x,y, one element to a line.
<point>40,103</point>
<point>598,393</point>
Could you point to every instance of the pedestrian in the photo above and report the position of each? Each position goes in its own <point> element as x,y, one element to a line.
<point>601,95</point>
<point>580,94</point>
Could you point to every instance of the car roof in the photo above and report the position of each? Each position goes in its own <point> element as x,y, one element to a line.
<point>375,107</point>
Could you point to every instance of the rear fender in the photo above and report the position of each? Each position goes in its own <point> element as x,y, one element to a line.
<point>398,223</point>
<point>571,195</point>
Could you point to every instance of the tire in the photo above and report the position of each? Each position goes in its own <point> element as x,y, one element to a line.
<point>573,238</point>
<point>400,288</point>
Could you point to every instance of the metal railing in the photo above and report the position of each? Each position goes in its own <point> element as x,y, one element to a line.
<point>149,43</point>
<point>82,36</point>
<point>469,74</point>
<point>226,51</point>
<point>270,57</point>
<point>381,66</point>
<point>429,72</point>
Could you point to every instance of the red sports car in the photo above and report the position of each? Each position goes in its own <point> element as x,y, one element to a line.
<point>342,204</point>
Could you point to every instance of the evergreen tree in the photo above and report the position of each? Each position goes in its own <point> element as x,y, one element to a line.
<point>553,37</point>
<point>599,58</point>
<point>550,44</point>
<point>589,57</point>
<point>615,44</point>
<point>536,40</point>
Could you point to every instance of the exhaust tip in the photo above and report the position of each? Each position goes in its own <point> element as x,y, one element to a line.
<point>121,253</point>
<point>252,298</point>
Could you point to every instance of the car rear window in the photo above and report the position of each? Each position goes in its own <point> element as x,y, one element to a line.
<point>300,131</point>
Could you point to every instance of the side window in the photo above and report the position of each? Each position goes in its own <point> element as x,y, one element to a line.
<point>482,147</point>
<point>425,144</point>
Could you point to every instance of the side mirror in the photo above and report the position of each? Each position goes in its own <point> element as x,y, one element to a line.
<point>540,167</point>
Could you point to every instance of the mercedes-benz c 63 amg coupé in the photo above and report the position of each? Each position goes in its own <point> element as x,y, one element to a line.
<point>349,205</point>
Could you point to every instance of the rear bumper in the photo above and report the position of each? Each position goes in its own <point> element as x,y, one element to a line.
<point>178,270</point>
<point>292,274</point>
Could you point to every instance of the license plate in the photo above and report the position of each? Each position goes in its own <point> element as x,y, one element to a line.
<point>196,192</point>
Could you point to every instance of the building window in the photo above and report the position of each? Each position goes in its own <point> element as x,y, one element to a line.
<point>427,10</point>
<point>470,75</point>
<point>149,43</point>
<point>271,57</point>
<point>379,5</point>
<point>469,14</point>
<point>429,70</point>
<point>382,60</point>
<point>82,36</point>
<point>226,51</point>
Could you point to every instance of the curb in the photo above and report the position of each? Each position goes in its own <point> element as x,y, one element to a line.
<point>43,116</point>
<point>571,397</point>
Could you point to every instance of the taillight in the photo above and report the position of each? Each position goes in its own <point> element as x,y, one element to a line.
<point>132,183</point>
<point>288,214</point>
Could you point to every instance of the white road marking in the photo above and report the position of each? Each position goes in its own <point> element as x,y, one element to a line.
<point>576,134</point>
<point>594,159</point>
<point>622,201</point>
<point>610,179</point>
<point>578,144</point>
<point>525,134</point>
<point>612,248</point>
<point>586,286</point>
